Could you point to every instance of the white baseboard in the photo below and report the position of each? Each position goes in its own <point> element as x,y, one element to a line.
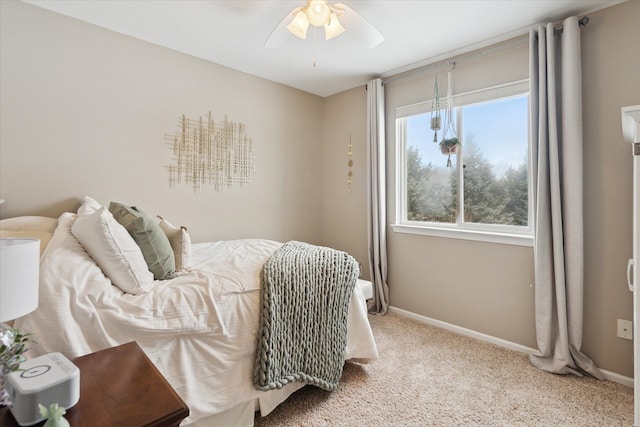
<point>617,378</point>
<point>611,376</point>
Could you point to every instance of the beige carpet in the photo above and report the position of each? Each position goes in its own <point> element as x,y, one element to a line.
<point>428,376</point>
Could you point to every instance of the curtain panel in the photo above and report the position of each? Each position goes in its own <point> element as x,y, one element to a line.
<point>376,197</point>
<point>556,135</point>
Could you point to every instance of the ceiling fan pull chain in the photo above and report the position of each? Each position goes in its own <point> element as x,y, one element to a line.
<point>315,46</point>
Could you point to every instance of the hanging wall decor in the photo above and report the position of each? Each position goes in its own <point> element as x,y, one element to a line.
<point>450,142</point>
<point>350,164</point>
<point>205,152</point>
<point>435,111</point>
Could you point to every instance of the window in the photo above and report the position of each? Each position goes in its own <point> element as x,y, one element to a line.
<point>484,193</point>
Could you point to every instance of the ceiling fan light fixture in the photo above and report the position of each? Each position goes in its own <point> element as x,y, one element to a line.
<point>318,12</point>
<point>333,28</point>
<point>299,25</point>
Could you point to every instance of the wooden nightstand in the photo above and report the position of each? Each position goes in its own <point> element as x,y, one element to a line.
<point>120,387</point>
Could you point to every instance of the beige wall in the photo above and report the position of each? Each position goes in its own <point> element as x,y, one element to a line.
<point>611,79</point>
<point>84,111</point>
<point>344,214</point>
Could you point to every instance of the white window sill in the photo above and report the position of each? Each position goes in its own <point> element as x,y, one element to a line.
<point>466,234</point>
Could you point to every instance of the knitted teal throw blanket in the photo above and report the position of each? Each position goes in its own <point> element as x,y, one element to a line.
<point>303,321</point>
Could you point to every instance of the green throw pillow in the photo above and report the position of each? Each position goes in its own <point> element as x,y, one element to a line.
<point>146,232</point>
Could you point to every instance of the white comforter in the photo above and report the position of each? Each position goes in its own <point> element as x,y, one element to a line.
<point>199,329</point>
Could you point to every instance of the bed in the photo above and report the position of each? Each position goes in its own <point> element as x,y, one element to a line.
<point>199,326</point>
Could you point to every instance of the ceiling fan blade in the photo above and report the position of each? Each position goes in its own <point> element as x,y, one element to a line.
<point>359,27</point>
<point>280,34</point>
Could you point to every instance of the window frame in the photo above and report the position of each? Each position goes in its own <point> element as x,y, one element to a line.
<point>495,233</point>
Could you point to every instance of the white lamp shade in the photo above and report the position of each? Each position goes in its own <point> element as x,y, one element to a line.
<point>19,277</point>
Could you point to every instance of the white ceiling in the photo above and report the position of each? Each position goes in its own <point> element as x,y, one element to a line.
<point>233,33</point>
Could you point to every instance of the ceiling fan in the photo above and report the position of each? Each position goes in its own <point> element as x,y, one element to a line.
<point>321,13</point>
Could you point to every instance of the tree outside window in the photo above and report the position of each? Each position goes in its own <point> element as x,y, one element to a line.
<point>490,171</point>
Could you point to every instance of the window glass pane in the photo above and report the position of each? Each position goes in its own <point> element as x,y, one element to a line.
<point>495,150</point>
<point>431,186</point>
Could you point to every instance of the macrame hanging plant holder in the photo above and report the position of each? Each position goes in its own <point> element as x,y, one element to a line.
<point>435,111</point>
<point>450,141</point>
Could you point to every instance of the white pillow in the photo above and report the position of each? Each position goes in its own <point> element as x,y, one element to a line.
<point>89,206</point>
<point>114,250</point>
<point>180,243</point>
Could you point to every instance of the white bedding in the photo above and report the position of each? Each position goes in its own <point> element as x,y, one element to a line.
<point>199,329</point>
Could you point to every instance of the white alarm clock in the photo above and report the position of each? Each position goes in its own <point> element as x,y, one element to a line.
<point>47,379</point>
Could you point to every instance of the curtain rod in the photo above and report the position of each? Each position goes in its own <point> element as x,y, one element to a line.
<point>505,42</point>
<point>450,60</point>
<point>581,22</point>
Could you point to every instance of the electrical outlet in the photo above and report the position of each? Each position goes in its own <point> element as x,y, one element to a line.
<point>625,329</point>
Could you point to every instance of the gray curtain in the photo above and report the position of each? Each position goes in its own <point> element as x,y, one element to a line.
<point>556,135</point>
<point>376,197</point>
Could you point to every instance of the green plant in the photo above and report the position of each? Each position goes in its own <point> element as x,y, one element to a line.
<point>13,345</point>
<point>450,142</point>
<point>449,146</point>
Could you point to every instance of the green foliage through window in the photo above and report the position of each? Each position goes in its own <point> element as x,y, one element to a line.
<point>494,160</point>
